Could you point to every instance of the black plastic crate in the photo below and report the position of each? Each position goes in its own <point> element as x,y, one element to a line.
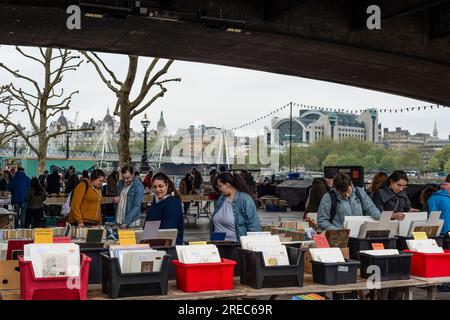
<point>335,273</point>
<point>402,245</point>
<point>116,284</point>
<point>357,244</point>
<point>229,251</point>
<point>254,273</point>
<point>172,252</point>
<point>392,267</point>
<point>95,268</point>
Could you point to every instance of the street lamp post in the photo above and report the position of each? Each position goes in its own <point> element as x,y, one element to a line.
<point>290,138</point>
<point>15,140</point>
<point>145,167</point>
<point>68,135</point>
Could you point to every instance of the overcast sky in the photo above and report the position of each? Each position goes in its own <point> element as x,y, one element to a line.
<point>223,96</point>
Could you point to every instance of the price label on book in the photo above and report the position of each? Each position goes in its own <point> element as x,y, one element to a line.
<point>377,246</point>
<point>127,237</point>
<point>43,236</point>
<point>420,235</point>
<point>321,241</point>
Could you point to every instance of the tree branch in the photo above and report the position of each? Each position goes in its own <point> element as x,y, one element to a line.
<point>148,86</point>
<point>156,97</point>
<point>28,56</point>
<point>100,73</point>
<point>18,75</point>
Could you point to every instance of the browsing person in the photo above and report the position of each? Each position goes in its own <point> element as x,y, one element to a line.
<point>235,210</point>
<point>86,201</point>
<point>18,186</point>
<point>393,197</point>
<point>35,199</point>
<point>344,200</point>
<point>130,199</point>
<point>186,188</point>
<point>440,201</point>
<point>319,188</point>
<point>166,206</point>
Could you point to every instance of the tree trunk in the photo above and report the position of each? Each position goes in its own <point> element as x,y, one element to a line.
<point>42,138</point>
<point>42,157</point>
<point>124,141</point>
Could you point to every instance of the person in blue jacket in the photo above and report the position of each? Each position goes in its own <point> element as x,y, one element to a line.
<point>131,193</point>
<point>166,206</point>
<point>440,201</point>
<point>18,187</point>
<point>235,211</point>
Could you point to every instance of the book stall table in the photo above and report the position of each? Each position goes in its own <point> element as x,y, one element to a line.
<point>245,292</point>
<point>431,284</point>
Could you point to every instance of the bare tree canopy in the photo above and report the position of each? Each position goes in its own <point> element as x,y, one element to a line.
<point>39,101</point>
<point>126,107</point>
<point>6,132</point>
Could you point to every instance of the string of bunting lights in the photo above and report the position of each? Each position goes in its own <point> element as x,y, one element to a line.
<point>324,109</point>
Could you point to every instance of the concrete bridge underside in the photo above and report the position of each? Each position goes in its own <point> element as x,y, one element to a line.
<point>318,39</point>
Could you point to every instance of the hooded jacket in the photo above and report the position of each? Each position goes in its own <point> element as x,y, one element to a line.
<point>440,201</point>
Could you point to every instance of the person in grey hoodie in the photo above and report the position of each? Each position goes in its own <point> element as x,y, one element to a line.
<point>349,201</point>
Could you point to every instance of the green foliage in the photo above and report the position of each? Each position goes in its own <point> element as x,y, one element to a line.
<point>351,152</point>
<point>441,160</point>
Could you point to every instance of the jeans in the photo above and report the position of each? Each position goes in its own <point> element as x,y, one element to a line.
<point>21,210</point>
<point>186,206</point>
<point>34,218</point>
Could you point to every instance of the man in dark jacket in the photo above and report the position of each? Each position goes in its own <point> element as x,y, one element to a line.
<point>43,179</point>
<point>53,182</point>
<point>18,187</point>
<point>319,187</point>
<point>71,180</point>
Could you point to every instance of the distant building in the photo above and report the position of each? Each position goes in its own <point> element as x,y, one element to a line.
<point>312,125</point>
<point>426,143</point>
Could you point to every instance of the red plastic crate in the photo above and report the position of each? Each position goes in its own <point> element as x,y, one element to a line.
<point>205,276</point>
<point>14,245</point>
<point>54,288</point>
<point>430,265</point>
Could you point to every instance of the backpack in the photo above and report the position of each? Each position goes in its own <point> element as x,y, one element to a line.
<point>65,209</point>
<point>334,201</point>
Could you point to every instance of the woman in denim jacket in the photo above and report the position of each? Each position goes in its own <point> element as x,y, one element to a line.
<point>235,210</point>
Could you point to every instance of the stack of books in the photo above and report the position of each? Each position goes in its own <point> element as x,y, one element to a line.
<point>274,253</point>
<point>327,255</point>
<point>424,246</point>
<point>137,258</point>
<point>54,259</point>
<point>193,254</point>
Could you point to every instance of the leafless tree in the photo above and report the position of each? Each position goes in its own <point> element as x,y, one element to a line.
<point>6,133</point>
<point>39,101</point>
<point>126,107</point>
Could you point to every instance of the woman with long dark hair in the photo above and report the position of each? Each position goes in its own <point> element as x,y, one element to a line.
<point>166,206</point>
<point>35,199</point>
<point>235,210</point>
<point>393,197</point>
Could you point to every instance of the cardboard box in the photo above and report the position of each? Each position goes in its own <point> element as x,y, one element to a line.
<point>307,261</point>
<point>9,275</point>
